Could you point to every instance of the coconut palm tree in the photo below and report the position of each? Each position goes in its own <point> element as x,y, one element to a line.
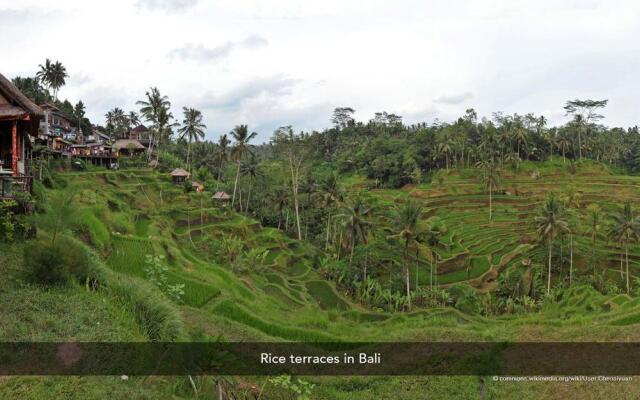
<point>432,237</point>
<point>550,138</point>
<point>155,109</point>
<point>490,180</point>
<point>192,129</point>
<point>222,156</point>
<point>446,147</point>
<point>550,222</point>
<point>563,144</point>
<point>251,170</point>
<point>332,197</point>
<point>242,137</point>
<point>355,224</point>
<point>594,220</point>
<point>53,75</point>
<point>407,230</point>
<point>133,118</point>
<point>625,229</point>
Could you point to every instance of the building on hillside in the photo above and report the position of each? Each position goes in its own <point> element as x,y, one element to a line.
<point>96,153</point>
<point>179,176</point>
<point>221,196</point>
<point>97,137</point>
<point>128,147</point>
<point>141,134</point>
<point>197,186</point>
<point>56,124</point>
<point>19,122</point>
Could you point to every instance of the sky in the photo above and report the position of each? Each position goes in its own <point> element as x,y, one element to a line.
<point>272,63</point>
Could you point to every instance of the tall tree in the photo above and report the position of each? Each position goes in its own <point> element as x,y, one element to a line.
<point>407,217</point>
<point>342,117</point>
<point>222,156</point>
<point>550,222</point>
<point>240,149</point>
<point>79,112</point>
<point>155,109</point>
<point>192,129</point>
<point>294,151</point>
<point>594,226</point>
<point>625,229</point>
<point>356,225</point>
<point>584,113</point>
<point>490,180</point>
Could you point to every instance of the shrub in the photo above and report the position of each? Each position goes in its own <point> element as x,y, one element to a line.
<point>54,264</point>
<point>44,264</point>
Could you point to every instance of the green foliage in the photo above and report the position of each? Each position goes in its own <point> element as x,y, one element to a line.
<point>55,264</point>
<point>156,271</point>
<point>299,388</point>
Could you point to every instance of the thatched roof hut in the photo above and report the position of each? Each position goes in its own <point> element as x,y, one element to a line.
<point>180,172</point>
<point>126,144</point>
<point>179,175</point>
<point>197,186</point>
<point>221,196</point>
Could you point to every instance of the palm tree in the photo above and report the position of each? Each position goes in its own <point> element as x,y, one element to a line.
<point>490,180</point>
<point>155,109</point>
<point>53,75</point>
<point>242,137</point>
<point>407,230</point>
<point>571,198</point>
<point>625,229</point>
<point>550,222</point>
<point>331,197</point>
<point>594,218</point>
<point>563,144</point>
<point>250,169</point>
<point>446,147</point>
<point>44,73</point>
<point>58,77</point>
<point>435,230</point>
<point>355,223</point>
<point>222,156</point>
<point>192,129</point>
<point>550,137</point>
<point>520,136</point>
<point>133,118</point>
<point>79,112</point>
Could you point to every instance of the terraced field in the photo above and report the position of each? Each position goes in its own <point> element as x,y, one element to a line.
<point>476,251</point>
<point>128,215</point>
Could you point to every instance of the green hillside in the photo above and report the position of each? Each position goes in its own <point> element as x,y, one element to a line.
<point>243,281</point>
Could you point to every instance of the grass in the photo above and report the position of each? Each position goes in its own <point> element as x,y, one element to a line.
<point>287,300</point>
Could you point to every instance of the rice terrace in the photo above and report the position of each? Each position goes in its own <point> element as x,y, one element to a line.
<point>258,211</point>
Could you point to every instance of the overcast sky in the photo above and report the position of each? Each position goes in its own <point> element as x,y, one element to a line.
<point>270,63</point>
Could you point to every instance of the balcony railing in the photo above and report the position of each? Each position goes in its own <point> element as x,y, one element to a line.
<point>11,185</point>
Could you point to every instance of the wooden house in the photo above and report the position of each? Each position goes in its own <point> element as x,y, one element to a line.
<point>19,123</point>
<point>179,176</point>
<point>128,147</point>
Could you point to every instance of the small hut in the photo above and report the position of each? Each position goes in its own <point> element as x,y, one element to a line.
<point>221,196</point>
<point>128,147</point>
<point>197,186</point>
<point>179,175</point>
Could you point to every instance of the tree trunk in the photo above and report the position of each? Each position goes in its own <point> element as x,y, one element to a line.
<point>490,204</point>
<point>570,259</point>
<point>219,175</point>
<point>549,272</point>
<point>189,154</point>
<point>235,185</point>
<point>626,253</point>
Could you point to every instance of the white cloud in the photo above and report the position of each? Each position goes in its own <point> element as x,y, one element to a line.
<point>420,59</point>
<point>202,53</point>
